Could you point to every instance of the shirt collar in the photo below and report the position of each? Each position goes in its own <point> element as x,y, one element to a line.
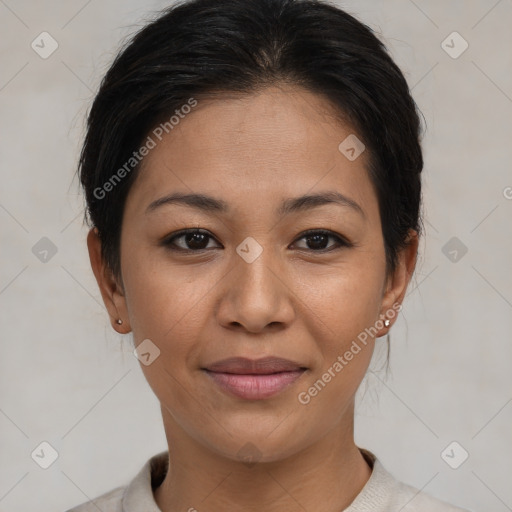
<point>138,495</point>
<point>378,491</point>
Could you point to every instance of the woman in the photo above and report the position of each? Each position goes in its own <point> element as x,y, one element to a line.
<point>252,176</point>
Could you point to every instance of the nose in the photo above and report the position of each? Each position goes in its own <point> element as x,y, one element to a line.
<point>255,296</point>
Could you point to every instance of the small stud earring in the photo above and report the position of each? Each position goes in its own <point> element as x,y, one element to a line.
<point>119,321</point>
<point>387,323</point>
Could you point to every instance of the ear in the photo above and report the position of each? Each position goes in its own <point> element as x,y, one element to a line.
<point>398,281</point>
<point>111,291</point>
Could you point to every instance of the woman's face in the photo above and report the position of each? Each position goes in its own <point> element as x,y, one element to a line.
<point>252,285</point>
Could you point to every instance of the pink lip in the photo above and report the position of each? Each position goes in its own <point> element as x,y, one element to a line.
<point>254,379</point>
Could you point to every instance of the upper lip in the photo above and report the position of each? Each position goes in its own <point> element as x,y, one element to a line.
<point>245,366</point>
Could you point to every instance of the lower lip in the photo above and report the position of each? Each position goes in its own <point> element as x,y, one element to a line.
<point>255,387</point>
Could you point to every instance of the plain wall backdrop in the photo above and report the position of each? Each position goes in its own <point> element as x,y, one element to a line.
<point>69,380</point>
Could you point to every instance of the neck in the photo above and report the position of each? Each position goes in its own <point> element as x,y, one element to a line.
<point>330,473</point>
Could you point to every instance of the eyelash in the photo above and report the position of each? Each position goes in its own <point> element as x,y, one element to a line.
<point>342,242</point>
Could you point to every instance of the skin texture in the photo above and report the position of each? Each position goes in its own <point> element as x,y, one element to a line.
<point>294,301</point>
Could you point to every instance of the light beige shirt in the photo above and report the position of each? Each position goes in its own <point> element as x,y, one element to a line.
<point>381,493</point>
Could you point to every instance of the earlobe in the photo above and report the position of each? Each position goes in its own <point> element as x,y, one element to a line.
<point>110,289</point>
<point>398,282</point>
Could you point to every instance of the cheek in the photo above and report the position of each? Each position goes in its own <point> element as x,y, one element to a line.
<point>168,308</point>
<point>162,296</point>
<point>346,304</point>
<point>345,300</point>
<point>345,307</point>
<point>169,305</point>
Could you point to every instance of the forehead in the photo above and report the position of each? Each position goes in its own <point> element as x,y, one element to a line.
<point>254,150</point>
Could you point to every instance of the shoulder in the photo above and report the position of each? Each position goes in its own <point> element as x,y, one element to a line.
<point>137,495</point>
<point>384,493</point>
<point>109,502</point>
<point>411,499</point>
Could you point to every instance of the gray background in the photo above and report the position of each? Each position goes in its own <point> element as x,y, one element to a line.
<point>68,379</point>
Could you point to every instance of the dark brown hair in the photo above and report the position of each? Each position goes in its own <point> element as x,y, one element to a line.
<point>200,47</point>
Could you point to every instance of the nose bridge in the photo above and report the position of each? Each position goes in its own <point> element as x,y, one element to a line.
<point>255,272</point>
<point>255,295</point>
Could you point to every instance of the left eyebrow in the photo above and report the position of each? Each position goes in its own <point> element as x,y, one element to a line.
<point>307,202</point>
<point>291,205</point>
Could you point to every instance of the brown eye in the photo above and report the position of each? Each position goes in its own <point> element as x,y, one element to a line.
<point>190,240</point>
<point>318,240</point>
<point>196,240</point>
